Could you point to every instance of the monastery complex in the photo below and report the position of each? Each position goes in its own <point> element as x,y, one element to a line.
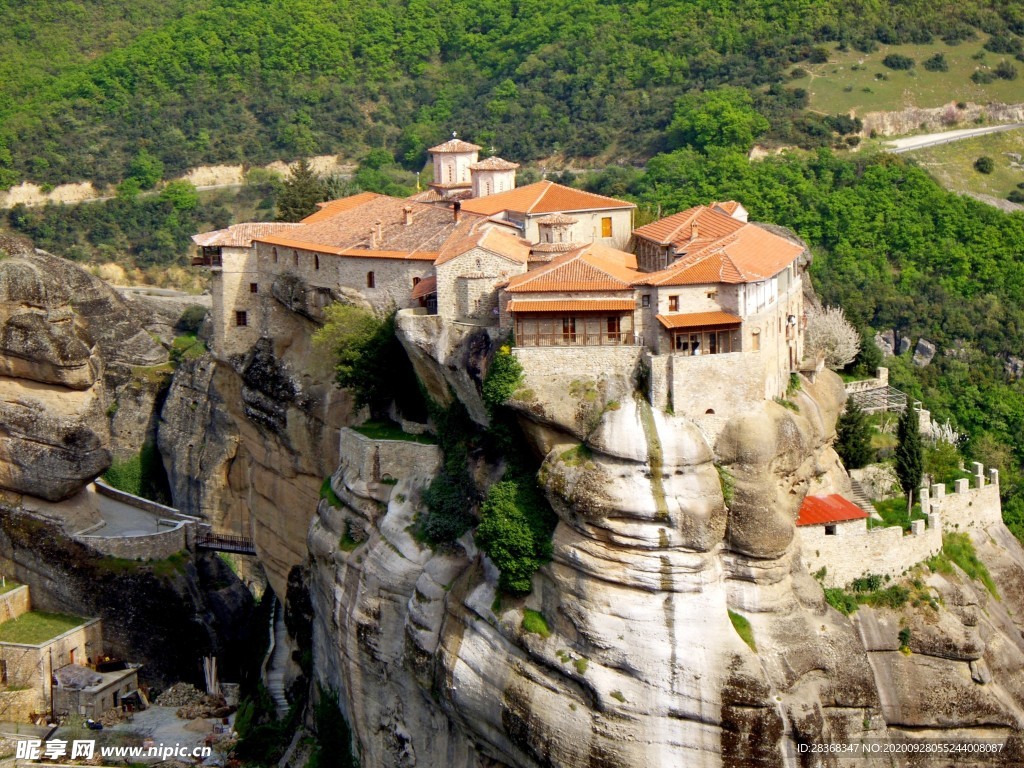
<point>556,267</point>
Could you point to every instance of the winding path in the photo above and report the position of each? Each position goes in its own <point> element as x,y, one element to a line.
<point>910,143</point>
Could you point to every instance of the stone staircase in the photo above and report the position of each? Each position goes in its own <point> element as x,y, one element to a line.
<point>860,498</point>
<point>277,660</point>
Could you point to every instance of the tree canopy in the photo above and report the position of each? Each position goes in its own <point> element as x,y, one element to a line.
<point>721,118</point>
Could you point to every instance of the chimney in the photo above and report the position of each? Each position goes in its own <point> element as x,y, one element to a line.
<point>408,215</point>
<point>693,231</point>
<point>378,233</point>
<point>456,210</point>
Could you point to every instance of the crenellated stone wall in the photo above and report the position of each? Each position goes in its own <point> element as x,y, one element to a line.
<point>854,550</point>
<point>973,504</point>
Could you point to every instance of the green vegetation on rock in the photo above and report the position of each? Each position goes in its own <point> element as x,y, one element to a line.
<point>743,629</point>
<point>534,621</point>
<point>37,627</point>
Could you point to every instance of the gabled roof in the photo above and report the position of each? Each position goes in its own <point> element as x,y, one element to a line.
<point>557,219</point>
<point>334,207</point>
<point>747,255</point>
<point>593,267</point>
<point>479,233</point>
<point>819,510</point>
<point>678,229</point>
<point>240,235</point>
<point>573,305</point>
<point>350,228</point>
<point>698,320</point>
<point>425,287</point>
<point>455,145</point>
<point>543,197</point>
<point>493,164</point>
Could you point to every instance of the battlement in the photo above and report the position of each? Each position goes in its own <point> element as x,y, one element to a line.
<point>972,504</point>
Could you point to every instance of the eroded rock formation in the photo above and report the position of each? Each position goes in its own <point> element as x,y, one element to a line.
<point>662,533</point>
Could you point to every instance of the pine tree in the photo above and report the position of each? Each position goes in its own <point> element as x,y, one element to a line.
<point>853,437</point>
<point>909,452</point>
<point>302,190</point>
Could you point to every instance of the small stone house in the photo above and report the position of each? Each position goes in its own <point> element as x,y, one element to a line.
<point>470,268</point>
<point>833,514</point>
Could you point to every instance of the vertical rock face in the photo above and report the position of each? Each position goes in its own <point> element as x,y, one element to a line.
<point>248,445</point>
<point>660,537</point>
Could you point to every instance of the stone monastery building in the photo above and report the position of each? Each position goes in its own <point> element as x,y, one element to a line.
<point>704,295</point>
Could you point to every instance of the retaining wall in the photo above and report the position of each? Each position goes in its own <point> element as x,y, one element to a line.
<point>134,501</point>
<point>151,546</point>
<point>856,551</point>
<point>369,466</point>
<point>14,603</point>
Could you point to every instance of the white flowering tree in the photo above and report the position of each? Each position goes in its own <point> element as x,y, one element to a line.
<point>831,334</point>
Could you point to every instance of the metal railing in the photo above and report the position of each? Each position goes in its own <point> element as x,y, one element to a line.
<point>577,339</point>
<point>222,542</point>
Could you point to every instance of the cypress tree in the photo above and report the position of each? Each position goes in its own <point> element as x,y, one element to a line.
<point>853,437</point>
<point>909,451</point>
<point>302,190</point>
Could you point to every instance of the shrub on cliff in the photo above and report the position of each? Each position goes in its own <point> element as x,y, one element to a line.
<point>504,377</point>
<point>515,531</point>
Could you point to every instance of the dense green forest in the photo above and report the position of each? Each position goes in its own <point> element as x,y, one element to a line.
<point>84,85</point>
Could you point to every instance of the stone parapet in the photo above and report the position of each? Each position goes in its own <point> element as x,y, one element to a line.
<point>152,546</point>
<point>972,504</point>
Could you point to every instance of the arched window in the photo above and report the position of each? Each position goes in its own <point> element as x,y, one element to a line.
<point>487,188</point>
<point>415,282</point>
<point>451,172</point>
<point>275,255</point>
<point>295,255</point>
<point>369,280</point>
<point>316,261</point>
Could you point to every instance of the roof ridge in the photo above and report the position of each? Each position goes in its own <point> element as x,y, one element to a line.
<point>536,201</point>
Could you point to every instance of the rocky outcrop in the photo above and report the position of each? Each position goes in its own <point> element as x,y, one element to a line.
<point>248,447</point>
<point>661,536</point>
<point>914,119</point>
<point>924,352</point>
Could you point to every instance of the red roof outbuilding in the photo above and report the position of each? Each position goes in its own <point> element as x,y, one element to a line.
<point>822,510</point>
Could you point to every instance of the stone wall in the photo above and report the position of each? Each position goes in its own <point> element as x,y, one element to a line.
<point>230,286</point>
<point>966,507</point>
<point>134,501</point>
<point>714,385</point>
<point>152,546</point>
<point>587,228</point>
<point>477,261</point>
<point>14,603</point>
<point>30,666</point>
<point>542,363</point>
<point>374,466</point>
<point>866,385</point>
<point>855,551</point>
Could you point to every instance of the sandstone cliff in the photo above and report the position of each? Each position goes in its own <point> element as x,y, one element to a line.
<point>662,533</point>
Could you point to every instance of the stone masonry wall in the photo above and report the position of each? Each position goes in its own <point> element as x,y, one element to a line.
<point>153,546</point>
<point>475,261</point>
<point>14,603</point>
<point>966,507</point>
<point>855,551</point>
<point>134,501</point>
<point>542,363</point>
<point>230,288</point>
<point>372,464</point>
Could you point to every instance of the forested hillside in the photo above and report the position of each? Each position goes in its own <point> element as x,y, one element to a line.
<point>85,85</point>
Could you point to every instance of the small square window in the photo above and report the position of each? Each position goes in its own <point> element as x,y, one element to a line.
<point>241,319</point>
<point>673,303</point>
<point>254,287</point>
<point>830,530</point>
<point>645,300</point>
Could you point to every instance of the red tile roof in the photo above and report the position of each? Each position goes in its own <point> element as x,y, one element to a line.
<point>583,305</point>
<point>493,164</point>
<point>374,226</point>
<point>425,287</point>
<point>455,145</point>
<point>334,207</point>
<point>819,510</point>
<point>474,233</point>
<point>698,320</point>
<point>542,197</point>
<point>240,235</point>
<point>728,206</point>
<point>677,229</point>
<point>748,255</point>
<point>593,267</point>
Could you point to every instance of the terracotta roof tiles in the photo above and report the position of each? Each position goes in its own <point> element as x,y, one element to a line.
<point>455,145</point>
<point>334,207</point>
<point>678,229</point>
<point>493,164</point>
<point>240,235</point>
<point>819,510</point>
<point>425,287</point>
<point>479,233</point>
<point>593,267</point>
<point>542,197</point>
<point>573,305</point>
<point>698,320</point>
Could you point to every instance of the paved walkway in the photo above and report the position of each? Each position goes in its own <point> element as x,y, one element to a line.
<point>124,520</point>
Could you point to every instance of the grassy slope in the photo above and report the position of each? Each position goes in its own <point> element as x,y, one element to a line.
<point>828,83</point>
<point>952,165</point>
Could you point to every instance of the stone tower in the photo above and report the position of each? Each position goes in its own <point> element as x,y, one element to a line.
<point>452,161</point>
<point>491,175</point>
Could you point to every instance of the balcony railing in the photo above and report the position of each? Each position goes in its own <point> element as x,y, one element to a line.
<point>577,339</point>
